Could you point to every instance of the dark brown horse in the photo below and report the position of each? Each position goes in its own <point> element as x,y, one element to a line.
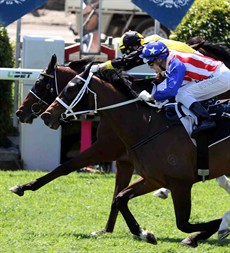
<point>46,89</point>
<point>145,133</point>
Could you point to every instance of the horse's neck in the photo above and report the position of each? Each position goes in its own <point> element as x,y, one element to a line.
<point>132,122</point>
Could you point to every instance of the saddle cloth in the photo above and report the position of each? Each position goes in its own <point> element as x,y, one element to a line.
<point>219,111</point>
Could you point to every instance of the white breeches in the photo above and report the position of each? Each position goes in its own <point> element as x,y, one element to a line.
<point>216,84</point>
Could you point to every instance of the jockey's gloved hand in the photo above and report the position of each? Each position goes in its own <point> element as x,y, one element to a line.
<point>94,68</point>
<point>145,96</point>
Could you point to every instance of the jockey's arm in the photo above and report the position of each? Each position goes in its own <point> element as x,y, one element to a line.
<point>125,62</point>
<point>174,79</point>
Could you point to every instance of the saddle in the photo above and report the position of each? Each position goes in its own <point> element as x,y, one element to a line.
<point>219,110</point>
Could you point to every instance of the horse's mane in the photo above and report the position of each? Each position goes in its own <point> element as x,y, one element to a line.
<point>126,83</point>
<point>75,65</point>
<point>120,80</point>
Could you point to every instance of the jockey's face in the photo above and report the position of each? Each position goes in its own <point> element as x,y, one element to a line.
<point>158,65</point>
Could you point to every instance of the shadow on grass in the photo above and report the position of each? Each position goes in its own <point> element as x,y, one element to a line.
<point>82,236</point>
<point>211,241</point>
<point>162,239</point>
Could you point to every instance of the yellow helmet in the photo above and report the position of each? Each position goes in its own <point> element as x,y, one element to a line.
<point>129,40</point>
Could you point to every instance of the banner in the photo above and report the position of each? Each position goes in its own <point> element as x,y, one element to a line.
<point>167,12</point>
<point>11,10</point>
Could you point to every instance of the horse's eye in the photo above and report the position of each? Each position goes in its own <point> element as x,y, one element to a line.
<point>37,85</point>
<point>48,86</point>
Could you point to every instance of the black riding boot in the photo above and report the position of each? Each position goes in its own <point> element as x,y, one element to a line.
<point>204,119</point>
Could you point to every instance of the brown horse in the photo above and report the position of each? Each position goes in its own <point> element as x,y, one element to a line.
<point>145,133</point>
<point>45,90</point>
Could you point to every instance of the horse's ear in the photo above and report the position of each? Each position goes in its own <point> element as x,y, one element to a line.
<point>54,59</point>
<point>52,63</point>
<point>85,73</point>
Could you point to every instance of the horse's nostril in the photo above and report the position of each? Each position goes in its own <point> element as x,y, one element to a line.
<point>46,116</point>
<point>18,113</point>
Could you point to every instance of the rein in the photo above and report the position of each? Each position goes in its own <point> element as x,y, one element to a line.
<point>69,108</point>
<point>149,138</point>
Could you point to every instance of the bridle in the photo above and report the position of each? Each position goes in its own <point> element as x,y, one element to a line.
<point>69,108</point>
<point>47,95</point>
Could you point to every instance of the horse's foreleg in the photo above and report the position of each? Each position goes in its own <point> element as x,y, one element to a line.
<point>124,172</point>
<point>34,185</point>
<point>181,195</point>
<point>139,187</point>
<point>96,153</point>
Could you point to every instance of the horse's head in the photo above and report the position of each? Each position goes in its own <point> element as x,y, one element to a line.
<point>40,95</point>
<point>47,87</point>
<point>74,93</point>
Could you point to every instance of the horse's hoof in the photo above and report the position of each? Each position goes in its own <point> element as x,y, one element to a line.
<point>222,234</point>
<point>103,231</point>
<point>189,242</point>
<point>17,190</point>
<point>148,237</point>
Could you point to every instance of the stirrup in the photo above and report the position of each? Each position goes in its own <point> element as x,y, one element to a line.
<point>200,128</point>
<point>203,173</point>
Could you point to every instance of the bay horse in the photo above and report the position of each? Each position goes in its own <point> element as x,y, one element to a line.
<point>45,90</point>
<point>145,133</point>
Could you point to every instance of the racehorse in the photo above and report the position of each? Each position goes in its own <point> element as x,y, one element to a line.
<point>37,101</point>
<point>45,90</point>
<point>161,152</point>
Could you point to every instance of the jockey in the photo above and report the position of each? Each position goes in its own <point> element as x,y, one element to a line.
<point>190,78</point>
<point>131,45</point>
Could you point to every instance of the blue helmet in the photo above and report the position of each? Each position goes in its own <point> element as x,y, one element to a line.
<point>154,51</point>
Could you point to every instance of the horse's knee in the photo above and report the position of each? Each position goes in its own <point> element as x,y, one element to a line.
<point>120,201</point>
